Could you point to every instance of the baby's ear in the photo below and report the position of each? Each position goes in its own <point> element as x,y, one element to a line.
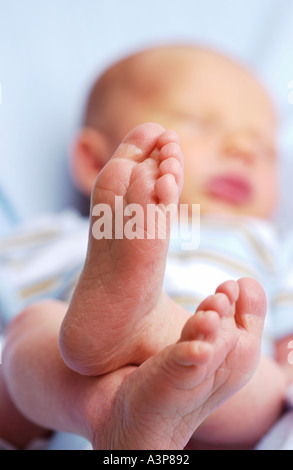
<point>89,154</point>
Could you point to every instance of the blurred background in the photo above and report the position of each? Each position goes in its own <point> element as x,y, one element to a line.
<point>51,51</point>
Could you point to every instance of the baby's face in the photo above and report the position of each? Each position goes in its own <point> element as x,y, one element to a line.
<point>227,129</point>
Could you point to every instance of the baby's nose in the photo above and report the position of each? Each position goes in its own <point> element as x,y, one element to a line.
<point>240,147</point>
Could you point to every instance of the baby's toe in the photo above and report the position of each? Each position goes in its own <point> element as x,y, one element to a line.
<point>251,305</point>
<point>140,142</point>
<point>201,325</point>
<point>218,302</point>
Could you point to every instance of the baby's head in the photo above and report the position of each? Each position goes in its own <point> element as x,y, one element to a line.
<point>225,120</point>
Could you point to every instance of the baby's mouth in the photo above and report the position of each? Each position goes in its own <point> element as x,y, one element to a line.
<point>230,188</point>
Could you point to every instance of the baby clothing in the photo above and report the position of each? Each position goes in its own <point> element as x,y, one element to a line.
<point>40,260</point>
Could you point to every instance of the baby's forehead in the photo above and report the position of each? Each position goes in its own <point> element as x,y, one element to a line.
<point>167,65</point>
<point>205,68</point>
<point>167,75</point>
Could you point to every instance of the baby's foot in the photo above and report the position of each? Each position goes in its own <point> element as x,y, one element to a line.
<point>164,400</point>
<point>118,310</point>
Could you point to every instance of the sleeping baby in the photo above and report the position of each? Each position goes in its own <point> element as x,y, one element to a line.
<point>129,341</point>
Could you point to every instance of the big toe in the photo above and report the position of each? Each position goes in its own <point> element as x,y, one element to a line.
<point>140,142</point>
<point>251,305</point>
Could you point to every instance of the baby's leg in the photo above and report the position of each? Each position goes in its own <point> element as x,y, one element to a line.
<point>40,384</point>
<point>15,429</point>
<point>118,314</point>
<point>157,405</point>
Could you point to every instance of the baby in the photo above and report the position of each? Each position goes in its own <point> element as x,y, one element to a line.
<point>142,372</point>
